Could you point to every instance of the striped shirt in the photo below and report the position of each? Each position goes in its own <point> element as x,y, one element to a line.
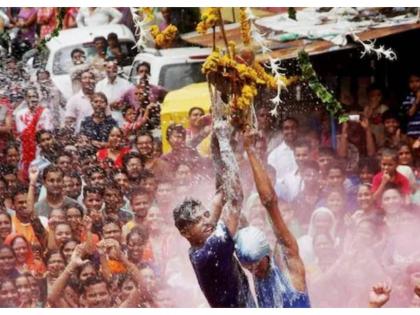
<point>413,123</point>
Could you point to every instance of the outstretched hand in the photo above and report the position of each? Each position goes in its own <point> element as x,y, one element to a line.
<point>379,294</point>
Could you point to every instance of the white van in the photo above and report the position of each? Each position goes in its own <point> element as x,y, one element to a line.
<point>57,59</point>
<point>172,68</point>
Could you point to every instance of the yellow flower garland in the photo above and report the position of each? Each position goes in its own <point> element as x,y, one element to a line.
<point>245,27</point>
<point>209,19</point>
<point>147,13</point>
<point>165,38</point>
<point>248,77</point>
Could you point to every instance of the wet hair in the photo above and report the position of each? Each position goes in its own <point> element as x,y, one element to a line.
<point>11,145</point>
<point>143,133</point>
<point>174,127</point>
<point>100,95</point>
<point>139,230</point>
<point>77,50</point>
<point>195,108</point>
<point>51,169</point>
<point>371,164</point>
<point>184,213</point>
<point>390,114</point>
<point>40,71</point>
<point>128,157</point>
<point>92,190</point>
<point>7,170</point>
<point>20,190</point>
<point>93,281</point>
<point>39,134</point>
<point>138,192</point>
<point>30,88</point>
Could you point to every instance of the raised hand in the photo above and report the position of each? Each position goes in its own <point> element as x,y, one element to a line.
<point>33,174</point>
<point>365,123</point>
<point>249,136</point>
<point>76,257</point>
<point>379,294</point>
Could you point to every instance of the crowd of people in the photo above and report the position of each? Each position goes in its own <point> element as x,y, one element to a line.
<point>287,213</point>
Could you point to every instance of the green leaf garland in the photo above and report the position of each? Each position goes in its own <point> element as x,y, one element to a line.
<point>326,97</point>
<point>60,16</point>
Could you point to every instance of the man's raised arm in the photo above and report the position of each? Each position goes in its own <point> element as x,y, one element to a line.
<point>270,202</point>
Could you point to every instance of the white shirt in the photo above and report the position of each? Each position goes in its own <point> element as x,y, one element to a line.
<point>25,116</point>
<point>283,160</point>
<point>78,107</point>
<point>289,187</point>
<point>99,16</point>
<point>113,91</point>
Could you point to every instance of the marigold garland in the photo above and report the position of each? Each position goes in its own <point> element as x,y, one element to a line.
<point>147,13</point>
<point>245,26</point>
<point>163,38</point>
<point>247,77</point>
<point>209,18</point>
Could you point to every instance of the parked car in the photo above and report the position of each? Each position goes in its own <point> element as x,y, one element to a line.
<point>57,59</point>
<point>172,68</point>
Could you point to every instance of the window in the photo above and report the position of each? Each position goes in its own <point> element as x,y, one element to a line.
<point>176,76</point>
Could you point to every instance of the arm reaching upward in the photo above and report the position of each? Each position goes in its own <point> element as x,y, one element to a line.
<point>229,177</point>
<point>269,200</point>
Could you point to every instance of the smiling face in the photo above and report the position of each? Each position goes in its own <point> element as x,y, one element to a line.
<point>54,183</point>
<point>364,197</point>
<point>115,138</point>
<point>9,296</point>
<point>20,247</point>
<point>62,234</point>
<point>195,116</point>
<point>405,157</point>
<point>201,228</point>
<point>392,201</point>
